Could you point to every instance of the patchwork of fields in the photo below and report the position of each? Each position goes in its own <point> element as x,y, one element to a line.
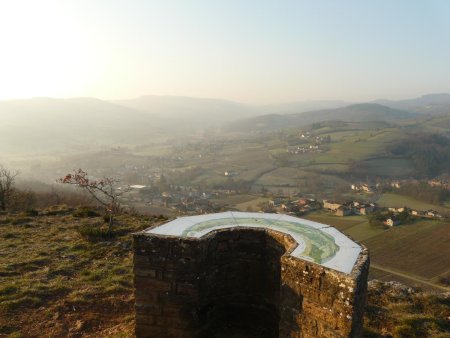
<point>263,160</point>
<point>416,254</point>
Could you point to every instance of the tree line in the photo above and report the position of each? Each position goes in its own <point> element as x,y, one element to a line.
<point>421,191</point>
<point>15,199</point>
<point>430,153</point>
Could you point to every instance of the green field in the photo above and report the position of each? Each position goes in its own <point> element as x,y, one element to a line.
<point>233,200</point>
<point>357,227</point>
<point>421,248</point>
<point>262,160</point>
<point>282,176</point>
<point>154,150</point>
<point>394,200</point>
<point>416,254</point>
<point>390,167</point>
<point>341,223</point>
<point>253,204</point>
<point>339,168</point>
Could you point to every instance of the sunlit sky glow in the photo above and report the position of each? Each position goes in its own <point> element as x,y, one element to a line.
<point>249,51</point>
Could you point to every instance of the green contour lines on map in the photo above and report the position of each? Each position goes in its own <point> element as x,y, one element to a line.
<point>320,246</point>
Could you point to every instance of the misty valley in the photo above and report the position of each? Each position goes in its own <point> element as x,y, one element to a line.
<point>379,172</point>
<point>224,169</point>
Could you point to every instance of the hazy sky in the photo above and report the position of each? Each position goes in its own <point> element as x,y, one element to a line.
<point>246,50</point>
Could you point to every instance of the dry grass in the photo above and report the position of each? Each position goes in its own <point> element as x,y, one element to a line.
<point>54,282</point>
<point>397,311</point>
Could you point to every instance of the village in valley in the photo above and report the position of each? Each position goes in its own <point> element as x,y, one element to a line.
<point>225,169</point>
<point>353,176</point>
<point>211,174</point>
<point>180,200</point>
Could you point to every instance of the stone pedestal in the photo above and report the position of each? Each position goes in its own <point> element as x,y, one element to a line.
<point>242,280</point>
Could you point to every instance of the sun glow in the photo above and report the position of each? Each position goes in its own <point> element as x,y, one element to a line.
<point>43,53</point>
<point>267,52</point>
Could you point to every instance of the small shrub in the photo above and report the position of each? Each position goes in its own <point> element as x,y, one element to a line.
<point>32,212</point>
<point>120,271</point>
<point>8,289</point>
<point>84,212</point>
<point>445,280</point>
<point>370,333</point>
<point>21,220</point>
<point>106,218</point>
<point>6,221</point>
<point>15,334</point>
<point>58,210</point>
<point>23,302</point>
<point>404,331</point>
<point>95,232</point>
<point>9,235</point>
<point>94,276</point>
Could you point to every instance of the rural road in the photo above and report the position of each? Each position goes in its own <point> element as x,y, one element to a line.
<point>422,281</point>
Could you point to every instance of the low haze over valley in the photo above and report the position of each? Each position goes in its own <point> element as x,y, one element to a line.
<point>240,169</point>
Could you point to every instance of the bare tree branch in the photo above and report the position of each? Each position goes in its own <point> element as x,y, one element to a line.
<point>7,180</point>
<point>104,191</point>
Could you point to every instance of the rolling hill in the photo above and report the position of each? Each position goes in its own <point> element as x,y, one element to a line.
<point>433,104</point>
<point>363,112</point>
<point>207,111</point>
<point>43,124</point>
<point>189,112</point>
<point>303,106</point>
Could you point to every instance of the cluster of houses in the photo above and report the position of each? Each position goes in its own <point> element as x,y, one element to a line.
<point>308,144</point>
<point>394,219</point>
<point>296,150</point>
<point>397,184</point>
<point>182,199</point>
<point>315,139</point>
<point>442,183</point>
<point>349,208</point>
<point>419,213</point>
<point>304,135</point>
<point>364,187</point>
<point>297,206</point>
<point>436,182</point>
<point>363,208</point>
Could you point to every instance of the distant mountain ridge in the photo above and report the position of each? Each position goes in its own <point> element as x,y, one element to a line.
<point>189,112</point>
<point>37,124</point>
<point>303,106</point>
<point>30,126</point>
<point>356,112</point>
<point>434,104</point>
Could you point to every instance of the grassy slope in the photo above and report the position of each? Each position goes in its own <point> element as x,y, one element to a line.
<point>263,160</point>
<point>394,310</point>
<point>55,283</point>
<point>252,205</point>
<point>242,202</point>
